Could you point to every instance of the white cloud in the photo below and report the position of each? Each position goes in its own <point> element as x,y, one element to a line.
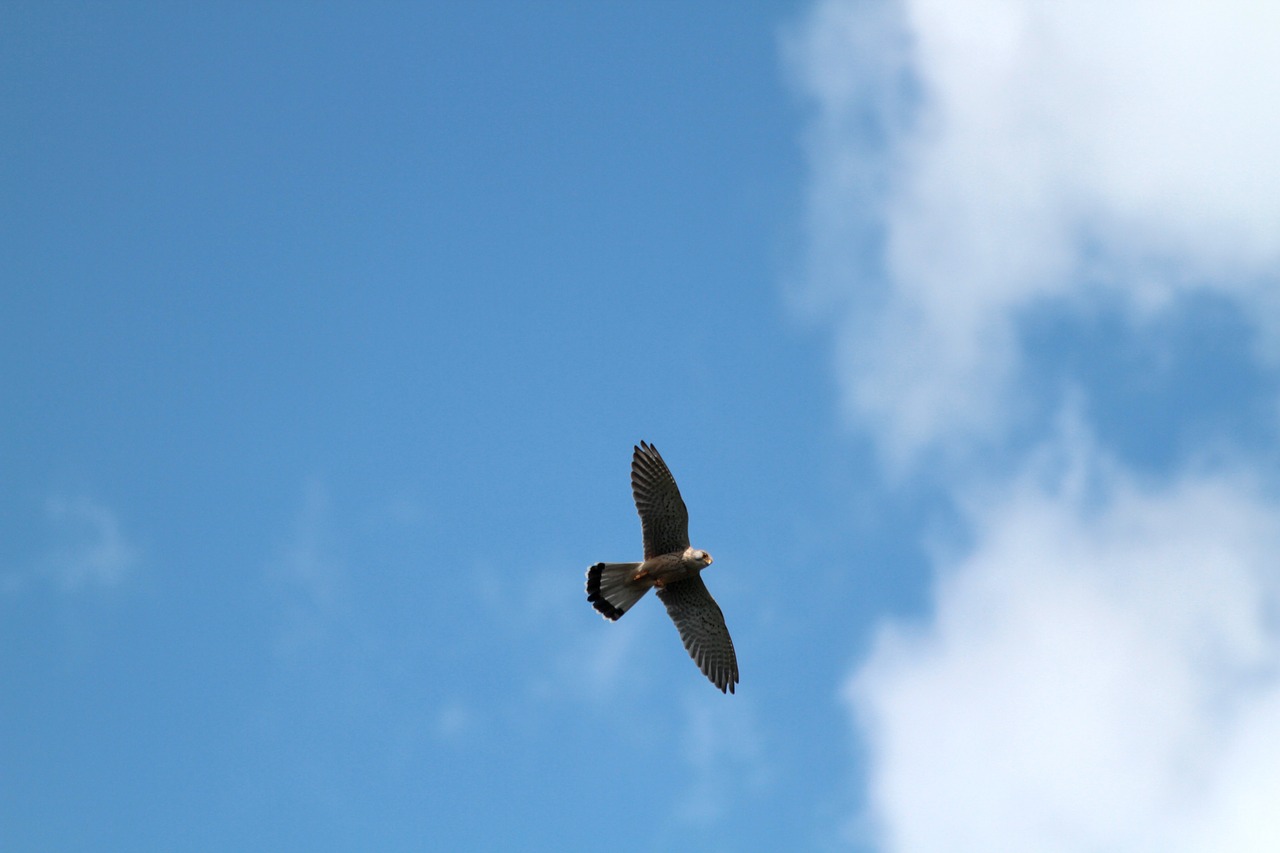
<point>90,548</point>
<point>994,154</point>
<point>454,719</point>
<point>1100,673</point>
<point>310,577</point>
<point>1101,670</point>
<point>586,658</point>
<point>722,746</point>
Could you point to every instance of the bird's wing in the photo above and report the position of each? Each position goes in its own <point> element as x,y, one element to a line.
<point>662,512</point>
<point>701,626</point>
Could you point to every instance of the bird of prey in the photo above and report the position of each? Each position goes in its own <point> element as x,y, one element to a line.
<point>672,567</point>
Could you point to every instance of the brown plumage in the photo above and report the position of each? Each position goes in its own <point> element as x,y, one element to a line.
<point>672,567</point>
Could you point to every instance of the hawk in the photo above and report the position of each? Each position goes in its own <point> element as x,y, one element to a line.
<point>671,567</point>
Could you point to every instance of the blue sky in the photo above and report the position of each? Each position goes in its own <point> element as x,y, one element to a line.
<point>327,332</point>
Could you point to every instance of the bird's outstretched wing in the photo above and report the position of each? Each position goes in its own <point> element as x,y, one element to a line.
<point>701,626</point>
<point>662,512</point>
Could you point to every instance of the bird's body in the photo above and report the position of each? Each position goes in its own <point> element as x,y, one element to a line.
<point>668,568</point>
<point>671,566</point>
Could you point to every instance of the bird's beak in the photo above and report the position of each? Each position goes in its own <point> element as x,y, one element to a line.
<point>709,560</point>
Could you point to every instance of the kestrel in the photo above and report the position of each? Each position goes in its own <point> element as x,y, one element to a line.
<point>672,567</point>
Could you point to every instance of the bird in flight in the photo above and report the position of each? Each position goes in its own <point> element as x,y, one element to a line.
<point>671,567</point>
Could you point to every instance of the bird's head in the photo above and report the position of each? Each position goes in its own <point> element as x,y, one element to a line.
<point>702,557</point>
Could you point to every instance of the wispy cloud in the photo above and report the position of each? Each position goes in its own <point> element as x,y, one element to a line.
<point>309,574</point>
<point>582,657</point>
<point>611,669</point>
<point>1101,672</point>
<point>723,747</point>
<point>453,720</point>
<point>972,160</point>
<point>89,548</point>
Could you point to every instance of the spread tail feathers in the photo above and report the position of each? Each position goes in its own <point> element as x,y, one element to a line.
<point>610,590</point>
